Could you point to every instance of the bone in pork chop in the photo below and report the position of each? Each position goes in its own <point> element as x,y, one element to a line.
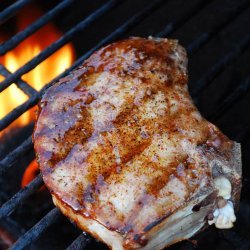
<point>127,156</point>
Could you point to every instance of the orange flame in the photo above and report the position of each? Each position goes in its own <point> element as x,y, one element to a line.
<point>25,51</point>
<point>30,173</point>
<point>38,77</point>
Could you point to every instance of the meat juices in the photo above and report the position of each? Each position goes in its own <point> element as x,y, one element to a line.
<point>127,156</point>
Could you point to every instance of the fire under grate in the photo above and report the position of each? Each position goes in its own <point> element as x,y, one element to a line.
<point>225,106</point>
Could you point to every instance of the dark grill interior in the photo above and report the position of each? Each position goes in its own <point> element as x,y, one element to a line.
<point>216,36</point>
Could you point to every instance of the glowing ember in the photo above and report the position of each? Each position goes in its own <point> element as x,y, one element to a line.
<point>43,73</point>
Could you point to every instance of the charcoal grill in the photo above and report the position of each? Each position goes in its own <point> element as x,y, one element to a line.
<point>216,35</point>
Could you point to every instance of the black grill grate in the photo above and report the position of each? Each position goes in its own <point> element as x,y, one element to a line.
<point>12,9</point>
<point>203,82</point>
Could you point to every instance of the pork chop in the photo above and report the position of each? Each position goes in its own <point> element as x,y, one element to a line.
<point>127,156</point>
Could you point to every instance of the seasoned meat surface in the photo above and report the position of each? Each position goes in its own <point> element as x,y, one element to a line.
<point>124,151</point>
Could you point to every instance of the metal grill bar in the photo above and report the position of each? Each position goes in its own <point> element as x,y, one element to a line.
<point>219,66</point>
<point>9,206</point>
<point>12,9</point>
<point>82,241</point>
<point>18,111</point>
<point>58,44</point>
<point>170,27</point>
<point>236,95</point>
<point>11,223</point>
<point>11,158</point>
<point>204,37</point>
<point>25,87</point>
<point>115,34</point>
<point>37,230</point>
<point>19,37</point>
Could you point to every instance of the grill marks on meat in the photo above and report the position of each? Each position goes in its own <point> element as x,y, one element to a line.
<point>121,146</point>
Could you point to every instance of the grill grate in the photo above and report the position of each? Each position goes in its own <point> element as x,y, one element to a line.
<point>219,66</point>
<point>203,82</point>
<point>20,83</point>
<point>36,230</point>
<point>80,242</point>
<point>58,44</point>
<point>19,37</point>
<point>12,9</point>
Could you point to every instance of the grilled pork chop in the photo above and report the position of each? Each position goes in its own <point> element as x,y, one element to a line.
<point>128,157</point>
